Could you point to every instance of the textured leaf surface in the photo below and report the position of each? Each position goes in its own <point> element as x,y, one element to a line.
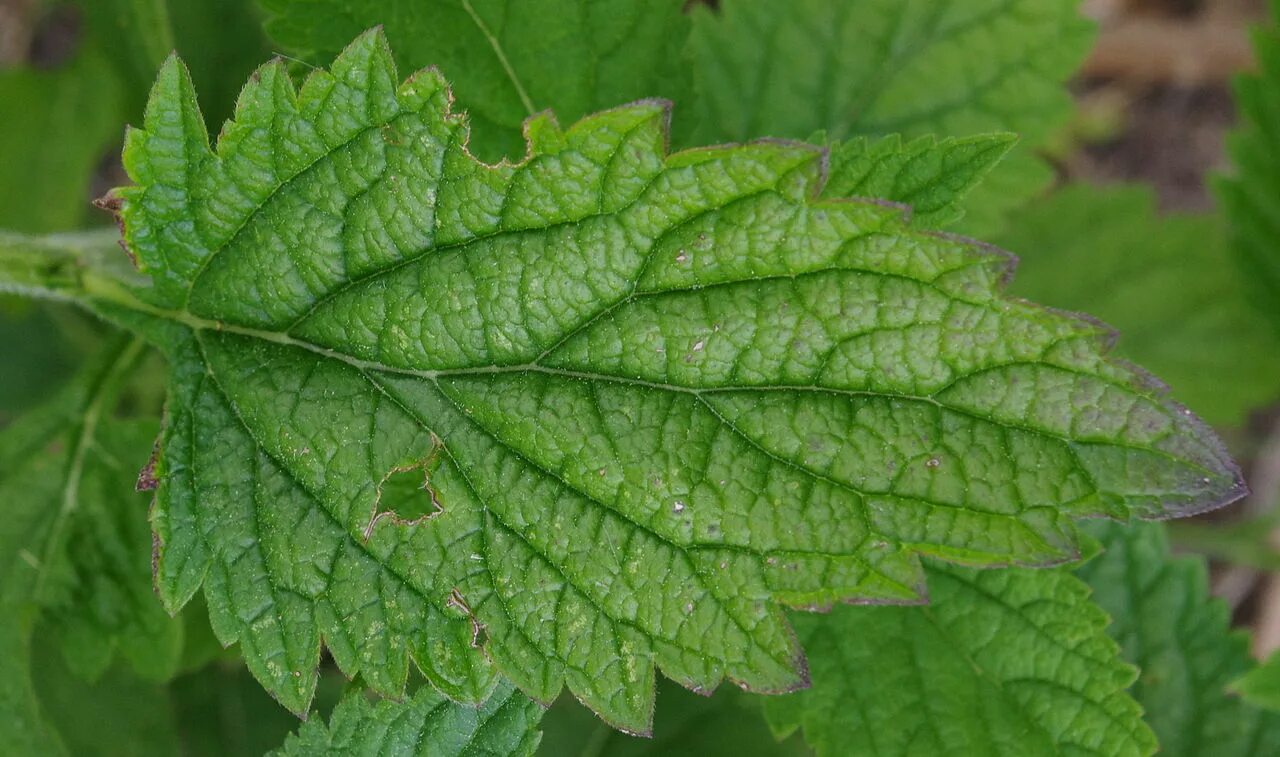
<point>728,723</point>
<point>932,176</point>
<point>1168,284</point>
<point>1251,197</point>
<point>425,724</point>
<point>509,60</point>
<point>75,547</point>
<point>1011,662</point>
<point>878,67</point>
<point>653,396</point>
<point>1180,639</point>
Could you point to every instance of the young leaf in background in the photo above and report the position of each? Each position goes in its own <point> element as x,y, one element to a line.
<point>67,480</point>
<point>726,723</point>
<point>1260,687</point>
<point>932,177</point>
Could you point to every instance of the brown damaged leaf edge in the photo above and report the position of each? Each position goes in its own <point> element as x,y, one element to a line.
<point>1104,335</point>
<point>112,203</point>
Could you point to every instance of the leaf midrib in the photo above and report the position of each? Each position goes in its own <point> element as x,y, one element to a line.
<point>105,290</point>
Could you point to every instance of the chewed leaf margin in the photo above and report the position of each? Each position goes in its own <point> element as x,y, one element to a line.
<point>995,267</point>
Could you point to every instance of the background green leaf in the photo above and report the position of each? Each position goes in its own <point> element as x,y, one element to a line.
<point>1008,662</point>
<point>1260,687</point>
<point>1180,638</point>
<point>72,553</point>
<point>880,67</point>
<point>931,176</point>
<point>1168,284</point>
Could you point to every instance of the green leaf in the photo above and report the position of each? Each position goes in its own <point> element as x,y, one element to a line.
<point>1180,639</point>
<point>878,67</point>
<point>1260,687</point>
<point>1251,197</point>
<point>653,397</point>
<point>509,60</point>
<point>728,723</point>
<point>932,176</point>
<point>424,724</point>
<point>1011,662</point>
<point>75,547</point>
<point>58,125</point>
<point>1168,284</point>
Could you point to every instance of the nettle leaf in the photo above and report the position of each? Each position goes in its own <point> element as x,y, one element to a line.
<point>509,60</point>
<point>930,175</point>
<point>1250,196</point>
<point>878,67</point>
<point>75,549</point>
<point>600,411</point>
<point>1168,283</point>
<point>1002,662</point>
<point>1181,640</point>
<point>424,724</point>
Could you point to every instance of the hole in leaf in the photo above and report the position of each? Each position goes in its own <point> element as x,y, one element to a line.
<point>406,496</point>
